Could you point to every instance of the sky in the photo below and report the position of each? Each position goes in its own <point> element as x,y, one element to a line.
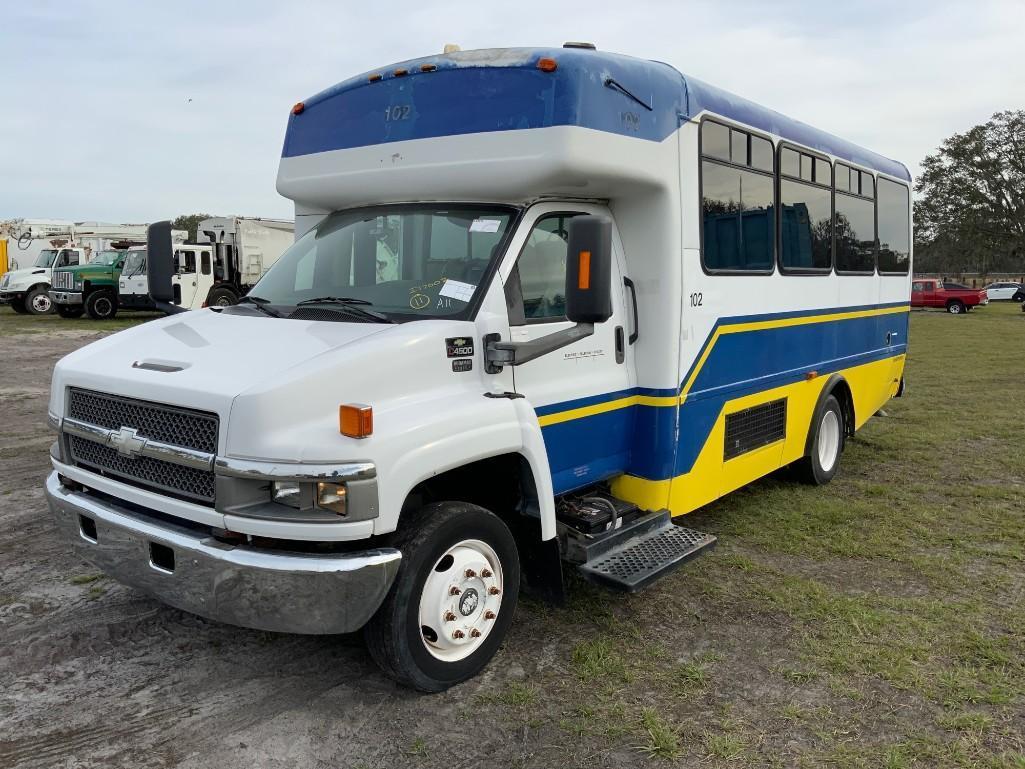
<point>138,111</point>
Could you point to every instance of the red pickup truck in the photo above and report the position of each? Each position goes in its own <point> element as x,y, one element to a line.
<point>929,292</point>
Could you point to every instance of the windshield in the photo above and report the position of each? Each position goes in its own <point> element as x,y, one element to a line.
<point>135,264</point>
<point>407,261</point>
<point>45,257</point>
<point>106,258</point>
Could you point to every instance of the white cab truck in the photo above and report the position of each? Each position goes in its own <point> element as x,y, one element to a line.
<point>38,246</point>
<point>498,348</point>
<point>231,254</point>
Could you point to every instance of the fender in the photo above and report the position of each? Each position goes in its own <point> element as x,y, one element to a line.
<point>443,438</point>
<point>832,383</point>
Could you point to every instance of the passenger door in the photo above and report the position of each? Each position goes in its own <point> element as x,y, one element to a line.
<point>581,392</point>
<point>186,283</point>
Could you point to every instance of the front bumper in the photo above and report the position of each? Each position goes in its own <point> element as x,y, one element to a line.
<point>7,296</point>
<point>265,589</point>
<point>70,298</point>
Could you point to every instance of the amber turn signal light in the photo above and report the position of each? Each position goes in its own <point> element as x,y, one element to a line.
<point>355,420</point>
<point>547,65</point>
<point>584,272</point>
<point>298,108</point>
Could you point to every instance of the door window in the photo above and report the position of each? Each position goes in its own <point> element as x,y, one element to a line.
<point>540,274</point>
<point>917,287</point>
<point>205,262</point>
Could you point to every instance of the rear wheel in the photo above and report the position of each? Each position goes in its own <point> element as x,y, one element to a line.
<point>821,464</point>
<point>453,598</point>
<point>956,307</point>
<point>18,305</point>
<point>221,297</point>
<point>38,302</point>
<point>69,311</point>
<point>101,305</point>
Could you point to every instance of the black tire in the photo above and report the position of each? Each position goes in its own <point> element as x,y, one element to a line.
<point>101,304</point>
<point>70,311</point>
<point>810,469</point>
<point>221,297</point>
<point>394,636</point>
<point>956,307</point>
<point>18,305</point>
<point>1019,296</point>
<point>38,302</point>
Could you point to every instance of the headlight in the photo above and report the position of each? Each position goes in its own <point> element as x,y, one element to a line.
<point>78,283</point>
<point>286,493</point>
<point>331,496</point>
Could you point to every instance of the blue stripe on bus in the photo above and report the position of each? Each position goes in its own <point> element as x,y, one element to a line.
<point>643,440</point>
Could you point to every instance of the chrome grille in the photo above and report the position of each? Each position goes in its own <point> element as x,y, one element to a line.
<point>176,480</point>
<point>185,428</point>
<point>63,279</point>
<point>169,424</point>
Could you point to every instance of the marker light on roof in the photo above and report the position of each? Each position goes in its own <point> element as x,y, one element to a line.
<point>547,65</point>
<point>428,67</point>
<point>298,108</point>
<point>375,77</point>
<point>400,72</point>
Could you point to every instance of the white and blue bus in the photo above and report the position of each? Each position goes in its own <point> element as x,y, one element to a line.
<point>542,302</point>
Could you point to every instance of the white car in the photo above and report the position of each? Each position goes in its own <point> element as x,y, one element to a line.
<point>1013,291</point>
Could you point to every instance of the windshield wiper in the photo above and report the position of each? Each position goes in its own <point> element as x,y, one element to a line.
<point>261,304</point>
<point>352,305</point>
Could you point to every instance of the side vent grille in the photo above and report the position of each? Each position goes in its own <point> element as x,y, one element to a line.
<point>755,427</point>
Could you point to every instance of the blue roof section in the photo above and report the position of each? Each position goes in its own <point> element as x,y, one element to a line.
<point>503,89</point>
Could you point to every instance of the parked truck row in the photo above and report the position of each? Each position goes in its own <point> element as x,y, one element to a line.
<point>98,277</point>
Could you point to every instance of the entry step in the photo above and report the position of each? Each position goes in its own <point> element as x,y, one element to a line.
<point>640,560</point>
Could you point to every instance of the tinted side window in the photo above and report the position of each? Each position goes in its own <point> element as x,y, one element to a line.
<point>541,268</point>
<point>738,218</point>
<point>805,232</point>
<point>894,234</point>
<point>737,200</point>
<point>855,235</point>
<point>205,262</point>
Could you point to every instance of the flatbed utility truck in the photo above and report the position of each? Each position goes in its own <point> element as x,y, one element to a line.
<point>542,303</point>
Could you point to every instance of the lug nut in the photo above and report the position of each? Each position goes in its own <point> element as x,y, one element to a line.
<point>458,634</point>
<point>489,614</point>
<point>485,573</point>
<point>475,633</point>
<point>450,616</point>
<point>470,573</point>
<point>493,590</point>
<point>454,590</point>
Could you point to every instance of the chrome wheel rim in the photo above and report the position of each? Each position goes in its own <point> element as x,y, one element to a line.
<point>41,303</point>
<point>829,440</point>
<point>461,600</point>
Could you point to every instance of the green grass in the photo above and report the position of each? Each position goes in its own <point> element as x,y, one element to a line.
<point>13,323</point>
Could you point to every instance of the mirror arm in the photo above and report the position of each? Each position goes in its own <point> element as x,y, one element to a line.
<point>498,354</point>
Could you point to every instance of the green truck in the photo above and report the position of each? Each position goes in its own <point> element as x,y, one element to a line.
<point>89,288</point>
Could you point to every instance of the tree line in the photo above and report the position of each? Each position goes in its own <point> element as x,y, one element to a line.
<point>970,211</point>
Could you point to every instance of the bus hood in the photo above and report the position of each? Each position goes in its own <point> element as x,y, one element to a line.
<point>201,359</point>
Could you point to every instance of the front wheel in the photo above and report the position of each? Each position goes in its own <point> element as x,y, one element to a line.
<point>821,464</point>
<point>101,305</point>
<point>221,297</point>
<point>453,598</point>
<point>38,302</point>
<point>69,311</point>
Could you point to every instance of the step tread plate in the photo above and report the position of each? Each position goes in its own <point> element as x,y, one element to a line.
<point>639,562</point>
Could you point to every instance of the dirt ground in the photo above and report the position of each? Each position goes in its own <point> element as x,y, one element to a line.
<point>877,621</point>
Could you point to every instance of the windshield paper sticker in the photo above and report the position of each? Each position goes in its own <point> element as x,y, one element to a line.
<point>457,290</point>
<point>485,225</point>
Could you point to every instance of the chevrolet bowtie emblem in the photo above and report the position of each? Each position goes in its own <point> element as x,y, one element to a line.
<point>127,442</point>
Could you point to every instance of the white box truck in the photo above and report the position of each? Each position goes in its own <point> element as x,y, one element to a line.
<point>229,256</point>
<point>542,302</point>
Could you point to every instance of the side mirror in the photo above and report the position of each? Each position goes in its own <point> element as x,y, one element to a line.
<point>160,267</point>
<point>589,270</point>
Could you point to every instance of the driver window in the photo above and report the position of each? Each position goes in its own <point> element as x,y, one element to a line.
<point>68,258</point>
<point>541,271</point>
